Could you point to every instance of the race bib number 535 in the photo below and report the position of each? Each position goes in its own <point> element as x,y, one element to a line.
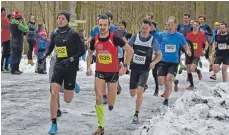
<point>61,52</point>
<point>105,58</point>
<point>170,48</point>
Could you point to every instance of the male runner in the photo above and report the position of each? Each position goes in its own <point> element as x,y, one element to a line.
<point>144,45</point>
<point>170,41</point>
<point>220,49</point>
<point>107,66</point>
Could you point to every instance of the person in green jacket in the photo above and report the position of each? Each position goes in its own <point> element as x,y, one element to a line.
<point>18,28</point>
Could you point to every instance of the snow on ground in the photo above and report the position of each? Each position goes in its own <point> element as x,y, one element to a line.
<point>25,107</point>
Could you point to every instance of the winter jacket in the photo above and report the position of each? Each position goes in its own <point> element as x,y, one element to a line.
<point>40,46</point>
<point>32,31</point>
<point>5,29</point>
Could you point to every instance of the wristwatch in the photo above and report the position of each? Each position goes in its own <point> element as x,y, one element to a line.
<point>125,65</point>
<point>71,59</point>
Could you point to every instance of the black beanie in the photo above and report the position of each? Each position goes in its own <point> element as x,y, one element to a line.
<point>66,14</point>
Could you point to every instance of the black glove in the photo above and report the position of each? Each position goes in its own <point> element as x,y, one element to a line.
<point>67,61</point>
<point>41,59</point>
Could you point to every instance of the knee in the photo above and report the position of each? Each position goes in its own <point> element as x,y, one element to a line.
<point>140,94</point>
<point>132,92</point>
<point>99,98</point>
<point>224,68</point>
<point>68,100</point>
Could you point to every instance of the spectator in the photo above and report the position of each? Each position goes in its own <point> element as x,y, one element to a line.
<point>18,27</point>
<point>31,38</point>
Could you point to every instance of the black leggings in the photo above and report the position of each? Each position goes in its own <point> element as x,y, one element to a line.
<point>5,54</point>
<point>30,51</point>
<point>154,71</point>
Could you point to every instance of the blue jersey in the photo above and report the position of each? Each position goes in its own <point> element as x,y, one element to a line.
<point>113,28</point>
<point>184,29</point>
<point>170,46</point>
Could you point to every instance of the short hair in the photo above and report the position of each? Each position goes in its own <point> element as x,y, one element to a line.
<point>196,22</point>
<point>109,14</point>
<point>173,18</point>
<point>104,16</point>
<point>223,23</point>
<point>202,16</point>
<point>154,23</point>
<point>3,9</point>
<point>124,23</point>
<point>187,14</point>
<point>146,21</point>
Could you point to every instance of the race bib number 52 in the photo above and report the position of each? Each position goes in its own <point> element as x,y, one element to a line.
<point>61,52</point>
<point>222,46</point>
<point>139,59</point>
<point>105,58</point>
<point>170,48</point>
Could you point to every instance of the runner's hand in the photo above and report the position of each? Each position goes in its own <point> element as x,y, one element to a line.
<point>89,72</point>
<point>152,65</point>
<point>189,53</point>
<point>122,71</point>
<point>203,52</point>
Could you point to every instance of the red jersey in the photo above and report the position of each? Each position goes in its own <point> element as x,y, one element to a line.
<point>197,40</point>
<point>106,55</point>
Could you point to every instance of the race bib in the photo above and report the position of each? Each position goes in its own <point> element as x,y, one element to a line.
<point>139,59</point>
<point>195,46</point>
<point>61,52</point>
<point>105,58</point>
<point>170,48</point>
<point>222,46</point>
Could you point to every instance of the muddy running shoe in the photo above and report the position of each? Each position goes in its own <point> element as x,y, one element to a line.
<point>99,131</point>
<point>213,77</point>
<point>135,119</point>
<point>156,92</point>
<point>146,87</point>
<point>190,87</point>
<point>181,68</point>
<point>59,113</point>
<point>176,85</point>
<point>166,102</point>
<point>199,75</point>
<point>104,99</point>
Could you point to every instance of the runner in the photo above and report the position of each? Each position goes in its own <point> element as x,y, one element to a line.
<point>207,32</point>
<point>198,39</point>
<point>220,49</point>
<point>107,66</point>
<point>69,49</point>
<point>170,43</point>
<point>183,28</point>
<point>144,45</point>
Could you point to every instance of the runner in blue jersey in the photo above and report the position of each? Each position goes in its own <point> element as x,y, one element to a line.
<point>170,41</point>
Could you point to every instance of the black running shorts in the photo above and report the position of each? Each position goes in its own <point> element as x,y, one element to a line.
<point>138,78</point>
<point>195,60</point>
<point>222,59</point>
<point>66,74</point>
<point>167,67</point>
<point>109,77</point>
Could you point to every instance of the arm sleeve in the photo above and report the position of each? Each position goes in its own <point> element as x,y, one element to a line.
<point>23,27</point>
<point>52,44</point>
<point>208,31</point>
<point>92,44</point>
<point>80,46</point>
<point>132,40</point>
<point>118,41</point>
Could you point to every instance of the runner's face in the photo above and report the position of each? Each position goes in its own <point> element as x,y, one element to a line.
<point>145,29</point>
<point>3,12</point>
<point>103,26</point>
<point>196,26</point>
<point>201,20</point>
<point>32,19</point>
<point>61,20</point>
<point>171,25</point>
<point>186,19</point>
<point>223,29</point>
<point>121,26</point>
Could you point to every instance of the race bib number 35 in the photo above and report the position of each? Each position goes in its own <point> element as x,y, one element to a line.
<point>105,58</point>
<point>61,52</point>
<point>222,46</point>
<point>170,48</point>
<point>139,59</point>
<point>195,46</point>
